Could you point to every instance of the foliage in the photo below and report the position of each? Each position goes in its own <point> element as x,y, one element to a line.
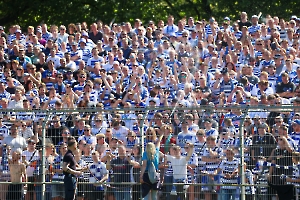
<point>35,12</point>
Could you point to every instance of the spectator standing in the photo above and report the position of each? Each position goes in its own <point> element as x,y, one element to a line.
<point>262,144</point>
<point>28,156</point>
<point>18,174</point>
<point>150,156</point>
<point>98,175</point>
<point>229,169</point>
<point>58,191</point>
<point>121,166</point>
<point>211,157</point>
<point>14,140</point>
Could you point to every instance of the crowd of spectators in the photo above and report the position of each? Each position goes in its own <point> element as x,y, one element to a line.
<point>100,73</point>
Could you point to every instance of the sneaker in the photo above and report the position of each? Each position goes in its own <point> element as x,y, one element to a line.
<point>173,192</point>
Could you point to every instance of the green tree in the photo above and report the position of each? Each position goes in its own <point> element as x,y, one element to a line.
<point>35,12</point>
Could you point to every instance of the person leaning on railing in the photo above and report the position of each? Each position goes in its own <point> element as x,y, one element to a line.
<point>262,144</point>
<point>121,174</point>
<point>281,156</point>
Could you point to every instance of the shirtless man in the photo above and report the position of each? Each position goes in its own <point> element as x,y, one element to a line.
<point>18,171</point>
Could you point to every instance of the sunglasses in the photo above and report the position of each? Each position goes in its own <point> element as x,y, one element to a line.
<point>82,77</point>
<point>66,132</point>
<point>86,129</point>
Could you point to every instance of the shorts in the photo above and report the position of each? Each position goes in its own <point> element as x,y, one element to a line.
<point>58,190</point>
<point>30,187</point>
<point>210,187</point>
<point>15,192</point>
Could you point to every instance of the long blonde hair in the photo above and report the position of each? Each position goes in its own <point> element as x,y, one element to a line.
<point>150,150</point>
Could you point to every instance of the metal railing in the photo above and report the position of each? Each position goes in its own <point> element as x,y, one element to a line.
<point>221,112</point>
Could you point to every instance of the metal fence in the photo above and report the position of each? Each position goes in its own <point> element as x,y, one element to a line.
<point>207,152</point>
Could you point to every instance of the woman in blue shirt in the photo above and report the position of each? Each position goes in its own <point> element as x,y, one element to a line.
<point>151,154</point>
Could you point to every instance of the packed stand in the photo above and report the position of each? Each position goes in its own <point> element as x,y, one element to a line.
<point>92,77</point>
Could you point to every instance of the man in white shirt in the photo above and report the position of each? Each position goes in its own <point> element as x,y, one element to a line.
<point>120,132</point>
<point>179,165</point>
<point>14,140</point>
<point>171,27</point>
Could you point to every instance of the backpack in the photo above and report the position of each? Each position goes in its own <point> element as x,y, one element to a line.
<point>152,173</point>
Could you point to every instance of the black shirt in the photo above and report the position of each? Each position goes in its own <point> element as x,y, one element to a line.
<point>96,37</point>
<point>241,24</point>
<point>121,169</point>
<point>70,160</point>
<point>289,87</point>
<point>40,66</point>
<point>54,134</point>
<point>264,145</point>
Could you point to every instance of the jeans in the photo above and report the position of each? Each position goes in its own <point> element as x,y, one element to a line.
<point>153,194</point>
<point>168,180</point>
<point>70,183</point>
<point>227,194</point>
<point>179,189</point>
<point>39,192</point>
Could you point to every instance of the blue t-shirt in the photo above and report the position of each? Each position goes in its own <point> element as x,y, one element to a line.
<point>155,161</point>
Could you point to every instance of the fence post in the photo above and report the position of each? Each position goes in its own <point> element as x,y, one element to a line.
<point>142,140</point>
<point>242,145</point>
<point>44,155</point>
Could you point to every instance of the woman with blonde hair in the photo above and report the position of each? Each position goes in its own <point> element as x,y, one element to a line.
<point>152,154</point>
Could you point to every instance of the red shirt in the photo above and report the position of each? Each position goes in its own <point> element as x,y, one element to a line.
<point>163,142</point>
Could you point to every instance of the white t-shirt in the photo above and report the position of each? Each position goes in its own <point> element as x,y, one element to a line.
<point>15,143</point>
<point>28,155</point>
<point>121,133</point>
<point>88,139</point>
<point>179,166</point>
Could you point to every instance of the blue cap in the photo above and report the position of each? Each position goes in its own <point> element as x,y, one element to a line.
<point>227,18</point>
<point>296,121</point>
